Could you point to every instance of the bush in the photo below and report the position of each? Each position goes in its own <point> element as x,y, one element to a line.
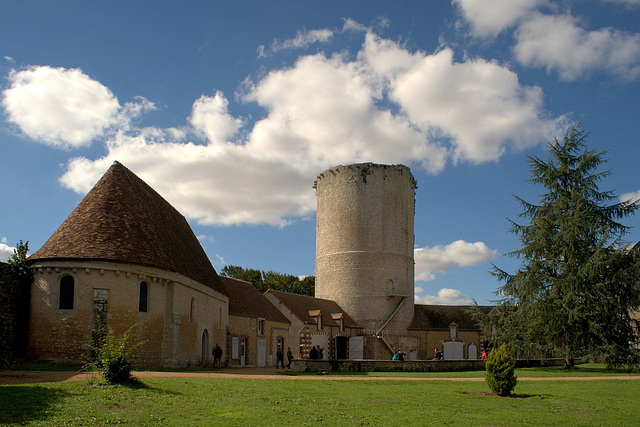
<point>113,356</point>
<point>500,375</point>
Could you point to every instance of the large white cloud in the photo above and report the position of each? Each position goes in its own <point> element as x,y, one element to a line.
<point>385,105</point>
<point>478,104</point>
<point>431,260</point>
<point>60,107</point>
<point>559,43</point>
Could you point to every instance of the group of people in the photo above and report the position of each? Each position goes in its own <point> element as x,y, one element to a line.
<point>399,355</point>
<point>280,358</point>
<point>316,352</point>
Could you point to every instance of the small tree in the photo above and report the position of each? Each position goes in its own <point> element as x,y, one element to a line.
<point>500,375</point>
<point>18,262</point>
<point>112,355</point>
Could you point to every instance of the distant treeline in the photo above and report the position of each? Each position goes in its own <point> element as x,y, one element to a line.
<point>264,280</point>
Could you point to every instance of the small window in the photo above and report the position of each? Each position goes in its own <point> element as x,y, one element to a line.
<point>192,310</point>
<point>453,331</point>
<point>66,293</point>
<point>144,294</point>
<point>260,326</point>
<point>341,324</point>
<point>319,322</point>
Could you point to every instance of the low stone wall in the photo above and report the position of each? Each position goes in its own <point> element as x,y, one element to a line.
<point>386,365</point>
<point>307,365</point>
<point>14,317</point>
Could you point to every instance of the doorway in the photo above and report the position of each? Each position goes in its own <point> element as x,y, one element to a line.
<point>205,348</point>
<point>243,352</point>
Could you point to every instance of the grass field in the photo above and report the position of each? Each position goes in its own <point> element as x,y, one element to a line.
<point>254,402</point>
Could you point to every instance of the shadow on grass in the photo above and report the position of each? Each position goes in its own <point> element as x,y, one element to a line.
<point>136,384</point>
<point>21,405</point>
<point>511,396</point>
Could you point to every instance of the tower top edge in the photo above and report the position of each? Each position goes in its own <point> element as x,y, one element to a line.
<point>366,168</point>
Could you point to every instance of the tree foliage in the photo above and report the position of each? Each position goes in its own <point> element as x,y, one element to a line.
<point>112,354</point>
<point>500,371</point>
<point>18,261</point>
<point>578,282</point>
<point>264,280</point>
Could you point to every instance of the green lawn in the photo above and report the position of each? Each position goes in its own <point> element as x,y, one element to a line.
<point>582,370</point>
<point>240,402</point>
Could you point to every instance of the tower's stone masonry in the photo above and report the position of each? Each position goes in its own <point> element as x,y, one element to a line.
<point>364,243</point>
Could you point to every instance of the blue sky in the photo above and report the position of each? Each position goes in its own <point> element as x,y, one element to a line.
<point>231,109</point>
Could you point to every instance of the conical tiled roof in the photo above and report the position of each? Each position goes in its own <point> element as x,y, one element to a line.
<point>122,219</point>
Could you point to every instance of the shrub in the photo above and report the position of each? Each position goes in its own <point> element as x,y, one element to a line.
<point>112,356</point>
<point>500,375</point>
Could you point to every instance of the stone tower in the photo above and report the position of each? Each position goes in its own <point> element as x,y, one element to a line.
<point>364,244</point>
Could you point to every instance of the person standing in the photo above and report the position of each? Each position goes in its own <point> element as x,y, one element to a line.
<point>313,353</point>
<point>289,357</point>
<point>279,359</point>
<point>217,355</point>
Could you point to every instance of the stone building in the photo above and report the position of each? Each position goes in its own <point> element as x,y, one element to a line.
<point>126,257</point>
<point>318,322</point>
<point>256,328</point>
<point>450,329</point>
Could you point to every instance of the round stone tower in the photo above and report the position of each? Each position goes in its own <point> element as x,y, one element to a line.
<point>364,244</point>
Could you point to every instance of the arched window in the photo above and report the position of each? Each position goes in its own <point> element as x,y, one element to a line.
<point>144,295</point>
<point>192,310</point>
<point>66,293</point>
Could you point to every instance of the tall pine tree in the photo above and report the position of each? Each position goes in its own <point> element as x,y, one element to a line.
<point>578,283</point>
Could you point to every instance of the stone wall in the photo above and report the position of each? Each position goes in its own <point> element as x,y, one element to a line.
<point>183,319</point>
<point>406,366</point>
<point>14,317</point>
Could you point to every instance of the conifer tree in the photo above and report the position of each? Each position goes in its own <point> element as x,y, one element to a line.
<point>579,279</point>
<point>500,371</point>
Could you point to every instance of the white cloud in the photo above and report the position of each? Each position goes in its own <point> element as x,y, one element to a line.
<point>489,18</point>
<point>302,40</point>
<point>5,251</point>
<point>630,197</point>
<point>63,108</point>
<point>558,43</point>
<point>445,297</point>
<point>9,59</point>
<point>430,260</point>
<point>388,105</point>
<point>210,117</point>
<point>478,104</point>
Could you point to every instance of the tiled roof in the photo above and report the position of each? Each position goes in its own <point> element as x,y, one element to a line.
<point>427,317</point>
<point>122,219</point>
<point>246,300</point>
<point>302,307</point>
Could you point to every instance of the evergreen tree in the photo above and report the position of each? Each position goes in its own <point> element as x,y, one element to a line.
<point>500,371</point>
<point>579,280</point>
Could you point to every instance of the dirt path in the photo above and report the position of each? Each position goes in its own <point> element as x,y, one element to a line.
<point>24,377</point>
